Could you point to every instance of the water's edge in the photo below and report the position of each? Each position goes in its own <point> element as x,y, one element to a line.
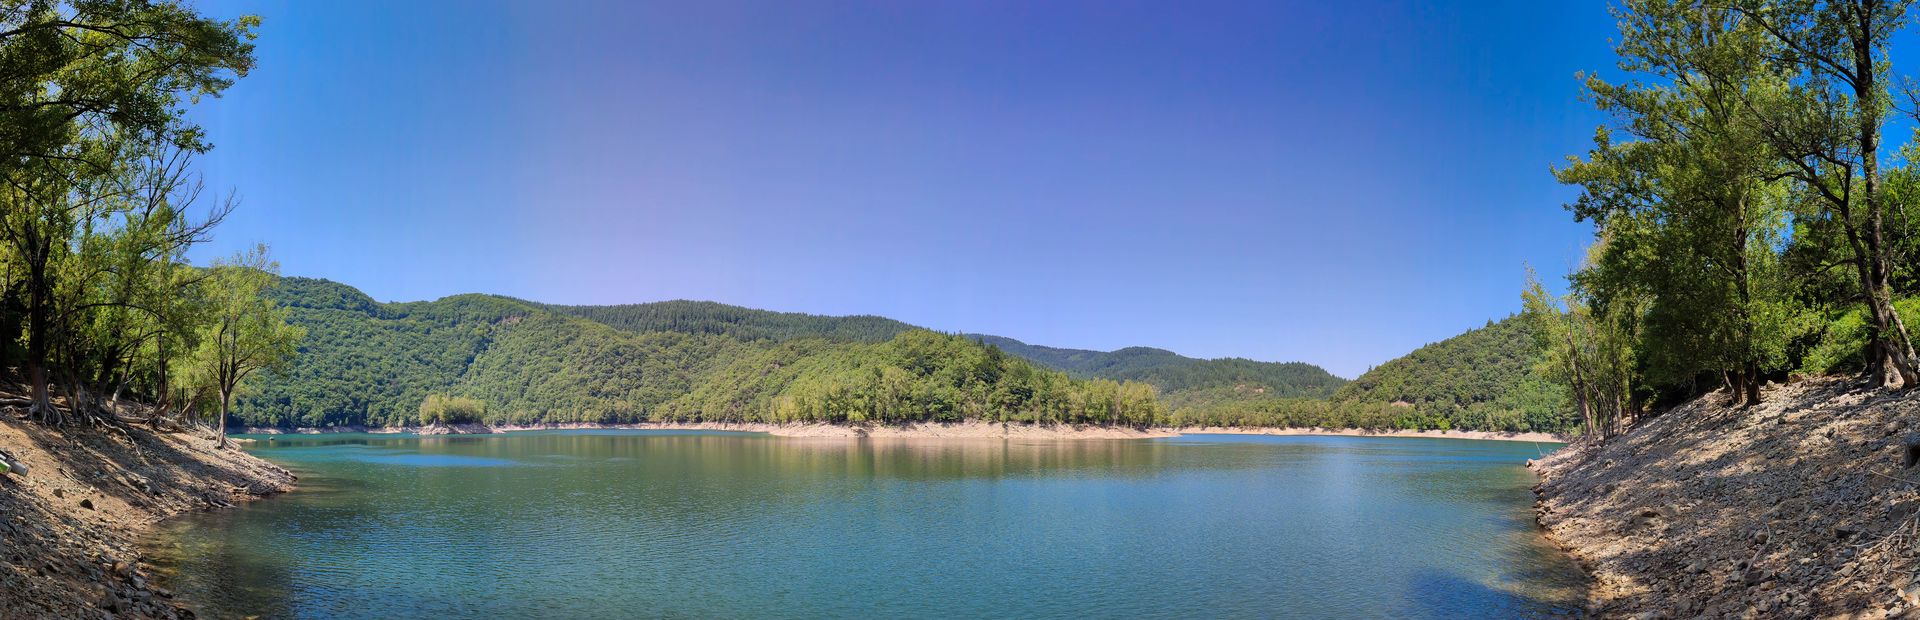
<point>968,430</point>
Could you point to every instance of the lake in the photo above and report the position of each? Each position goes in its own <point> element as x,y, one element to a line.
<point>614,524</point>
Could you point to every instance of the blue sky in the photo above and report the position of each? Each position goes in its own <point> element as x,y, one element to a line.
<point>1330,182</point>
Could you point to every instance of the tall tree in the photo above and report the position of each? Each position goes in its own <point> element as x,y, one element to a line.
<point>246,331</point>
<point>1691,207</point>
<point>86,85</point>
<point>1828,127</point>
<point>1590,353</point>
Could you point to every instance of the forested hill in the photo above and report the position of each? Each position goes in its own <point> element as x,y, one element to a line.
<point>503,360</point>
<point>706,317</point>
<point>1182,380</point>
<point>1483,378</point>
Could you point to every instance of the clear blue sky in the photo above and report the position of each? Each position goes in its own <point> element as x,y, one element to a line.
<point>1331,182</point>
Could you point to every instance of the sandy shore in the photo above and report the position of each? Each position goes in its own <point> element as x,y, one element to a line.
<point>975,430</point>
<point>1357,432</point>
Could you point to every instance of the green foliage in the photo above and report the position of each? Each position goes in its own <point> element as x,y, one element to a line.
<point>439,409</point>
<point>919,375</point>
<point>706,317</point>
<point>94,186</point>
<point>1841,345</point>
<point>1482,380</point>
<point>245,331</point>
<point>1182,381</point>
<point>372,364</point>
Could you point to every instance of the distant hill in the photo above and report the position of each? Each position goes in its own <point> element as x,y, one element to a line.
<point>1183,381</point>
<point>368,363</point>
<point>706,317</point>
<point>1482,378</point>
<point>371,363</point>
<point>1176,378</point>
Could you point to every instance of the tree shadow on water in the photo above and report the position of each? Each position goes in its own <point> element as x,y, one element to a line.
<point>1437,594</point>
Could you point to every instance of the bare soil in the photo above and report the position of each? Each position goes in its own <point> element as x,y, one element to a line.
<point>69,527</point>
<point>1799,507</point>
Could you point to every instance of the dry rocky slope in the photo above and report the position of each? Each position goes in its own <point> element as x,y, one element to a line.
<point>69,527</point>
<point>1800,507</point>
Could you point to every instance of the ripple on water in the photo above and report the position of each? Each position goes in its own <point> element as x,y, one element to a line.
<point>431,460</point>
<point>708,525</point>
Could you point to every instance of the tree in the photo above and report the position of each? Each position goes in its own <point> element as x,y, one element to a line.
<point>1827,125</point>
<point>246,330</point>
<point>1590,353</point>
<point>440,409</point>
<point>1691,209</point>
<point>90,89</point>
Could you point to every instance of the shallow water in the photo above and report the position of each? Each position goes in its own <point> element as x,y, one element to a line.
<point>612,524</point>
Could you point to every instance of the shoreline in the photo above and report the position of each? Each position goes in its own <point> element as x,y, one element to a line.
<point>1796,507</point>
<point>948,430</point>
<point>78,518</point>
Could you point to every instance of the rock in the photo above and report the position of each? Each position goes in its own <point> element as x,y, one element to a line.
<point>1844,533</point>
<point>87,504</point>
<point>1911,593</point>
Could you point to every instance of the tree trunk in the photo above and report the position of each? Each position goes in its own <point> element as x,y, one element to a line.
<point>37,317</point>
<point>1890,334</point>
<point>1753,385</point>
<point>222,420</point>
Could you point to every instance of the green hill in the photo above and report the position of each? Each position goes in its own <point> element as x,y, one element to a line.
<point>706,317</point>
<point>1183,381</point>
<point>1482,378</point>
<point>368,363</point>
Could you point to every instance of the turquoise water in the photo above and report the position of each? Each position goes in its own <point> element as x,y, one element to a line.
<point>591,524</point>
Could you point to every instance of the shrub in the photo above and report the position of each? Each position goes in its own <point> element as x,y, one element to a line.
<point>438,409</point>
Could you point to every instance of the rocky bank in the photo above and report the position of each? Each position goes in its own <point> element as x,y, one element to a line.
<point>1801,507</point>
<point>69,527</point>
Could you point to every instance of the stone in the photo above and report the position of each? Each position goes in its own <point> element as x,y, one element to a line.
<point>87,504</point>
<point>1911,593</point>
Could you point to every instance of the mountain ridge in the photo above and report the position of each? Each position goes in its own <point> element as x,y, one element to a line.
<point>374,364</point>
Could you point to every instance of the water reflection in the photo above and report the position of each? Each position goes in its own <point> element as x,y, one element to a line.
<point>615,524</point>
